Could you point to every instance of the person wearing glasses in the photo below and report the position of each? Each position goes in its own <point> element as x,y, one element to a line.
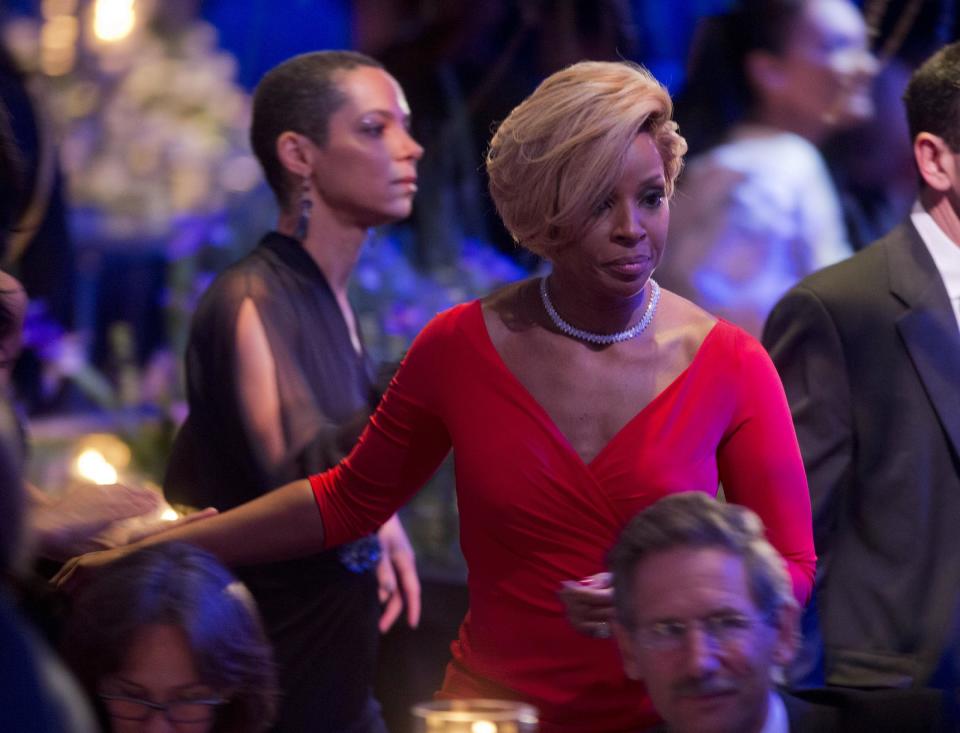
<point>168,640</point>
<point>707,619</point>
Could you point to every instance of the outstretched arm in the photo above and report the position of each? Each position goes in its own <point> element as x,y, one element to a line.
<point>279,525</point>
<point>404,443</point>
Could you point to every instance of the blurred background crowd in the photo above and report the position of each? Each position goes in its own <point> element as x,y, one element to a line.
<point>132,119</point>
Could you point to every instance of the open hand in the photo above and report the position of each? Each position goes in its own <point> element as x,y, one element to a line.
<point>121,539</point>
<point>77,571</point>
<point>66,525</point>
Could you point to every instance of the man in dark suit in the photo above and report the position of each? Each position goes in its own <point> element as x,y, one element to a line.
<point>706,618</point>
<point>869,353</point>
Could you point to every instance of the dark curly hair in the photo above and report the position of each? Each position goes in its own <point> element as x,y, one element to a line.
<point>180,585</point>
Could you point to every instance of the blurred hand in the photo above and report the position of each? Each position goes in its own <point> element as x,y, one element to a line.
<point>66,525</point>
<point>397,576</point>
<point>132,530</point>
<point>589,604</point>
<point>79,570</point>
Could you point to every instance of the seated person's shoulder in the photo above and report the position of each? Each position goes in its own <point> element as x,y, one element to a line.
<point>36,691</point>
<point>903,711</point>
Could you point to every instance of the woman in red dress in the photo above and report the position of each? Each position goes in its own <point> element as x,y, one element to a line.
<point>571,402</point>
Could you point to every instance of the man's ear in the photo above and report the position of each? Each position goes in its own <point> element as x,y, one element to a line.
<point>788,634</point>
<point>935,161</point>
<point>295,153</point>
<point>625,640</point>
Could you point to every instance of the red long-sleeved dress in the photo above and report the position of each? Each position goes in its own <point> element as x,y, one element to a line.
<point>533,514</point>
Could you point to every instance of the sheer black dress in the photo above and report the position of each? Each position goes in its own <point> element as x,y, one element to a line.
<point>320,612</point>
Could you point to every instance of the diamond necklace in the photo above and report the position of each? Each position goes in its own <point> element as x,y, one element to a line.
<point>601,338</point>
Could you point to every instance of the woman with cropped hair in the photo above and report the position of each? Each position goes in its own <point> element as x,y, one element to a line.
<point>280,383</point>
<point>570,401</point>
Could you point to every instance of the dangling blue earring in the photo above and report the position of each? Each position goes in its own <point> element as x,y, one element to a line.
<point>306,206</point>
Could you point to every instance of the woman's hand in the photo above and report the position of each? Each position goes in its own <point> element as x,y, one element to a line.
<point>589,604</point>
<point>135,529</point>
<point>66,526</point>
<point>397,563</point>
<point>79,570</point>
<point>124,539</point>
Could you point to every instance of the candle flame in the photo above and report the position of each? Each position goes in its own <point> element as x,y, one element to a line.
<point>92,466</point>
<point>113,20</point>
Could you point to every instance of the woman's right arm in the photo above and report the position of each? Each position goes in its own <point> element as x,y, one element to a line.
<point>400,449</point>
<point>279,525</point>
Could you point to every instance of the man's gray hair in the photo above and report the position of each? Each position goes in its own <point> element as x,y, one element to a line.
<point>694,520</point>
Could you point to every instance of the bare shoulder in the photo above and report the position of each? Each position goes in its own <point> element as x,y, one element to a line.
<point>509,308</point>
<point>682,323</point>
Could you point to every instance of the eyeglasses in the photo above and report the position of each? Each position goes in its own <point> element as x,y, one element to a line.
<point>176,711</point>
<point>721,629</point>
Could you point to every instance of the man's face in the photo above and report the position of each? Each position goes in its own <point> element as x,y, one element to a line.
<point>700,643</point>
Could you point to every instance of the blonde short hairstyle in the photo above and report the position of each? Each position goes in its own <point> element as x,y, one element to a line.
<point>560,152</point>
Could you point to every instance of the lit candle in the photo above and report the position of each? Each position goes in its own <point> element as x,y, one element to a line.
<point>475,716</point>
<point>113,20</point>
<point>92,466</point>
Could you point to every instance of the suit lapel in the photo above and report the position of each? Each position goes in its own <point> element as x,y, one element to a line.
<point>928,327</point>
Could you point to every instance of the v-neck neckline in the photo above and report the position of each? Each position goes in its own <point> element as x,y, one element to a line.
<point>545,415</point>
<point>292,254</point>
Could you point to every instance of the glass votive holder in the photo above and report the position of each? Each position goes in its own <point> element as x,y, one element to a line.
<point>474,716</point>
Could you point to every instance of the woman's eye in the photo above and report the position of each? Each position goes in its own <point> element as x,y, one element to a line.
<point>653,199</point>
<point>602,206</point>
<point>373,130</point>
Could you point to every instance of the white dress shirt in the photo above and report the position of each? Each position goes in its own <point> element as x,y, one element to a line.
<point>776,721</point>
<point>944,251</point>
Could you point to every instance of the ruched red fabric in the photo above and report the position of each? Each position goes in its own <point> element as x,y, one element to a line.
<point>533,514</point>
